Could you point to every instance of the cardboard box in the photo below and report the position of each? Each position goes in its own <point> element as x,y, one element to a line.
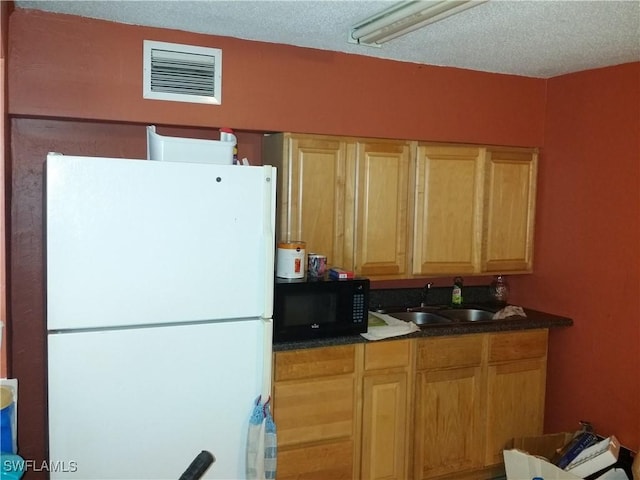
<point>529,457</point>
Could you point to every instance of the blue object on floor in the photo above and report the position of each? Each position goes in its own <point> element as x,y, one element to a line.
<point>12,466</point>
<point>6,435</point>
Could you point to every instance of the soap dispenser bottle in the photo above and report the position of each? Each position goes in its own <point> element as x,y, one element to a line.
<point>500,289</point>
<point>456,294</point>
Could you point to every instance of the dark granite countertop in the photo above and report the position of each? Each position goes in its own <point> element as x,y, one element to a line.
<point>534,319</point>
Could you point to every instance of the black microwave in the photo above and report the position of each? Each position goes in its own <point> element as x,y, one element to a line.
<point>319,308</point>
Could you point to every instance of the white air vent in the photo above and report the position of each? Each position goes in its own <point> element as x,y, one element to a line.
<point>182,73</point>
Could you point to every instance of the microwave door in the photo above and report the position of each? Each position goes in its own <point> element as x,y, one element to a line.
<point>307,310</point>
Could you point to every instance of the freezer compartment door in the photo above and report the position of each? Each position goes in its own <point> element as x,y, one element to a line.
<point>143,242</point>
<point>142,403</point>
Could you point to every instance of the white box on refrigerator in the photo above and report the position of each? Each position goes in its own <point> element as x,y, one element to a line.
<point>194,150</point>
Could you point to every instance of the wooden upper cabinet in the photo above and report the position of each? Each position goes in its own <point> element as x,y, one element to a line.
<point>311,199</point>
<point>510,194</point>
<point>398,209</point>
<point>382,188</point>
<point>474,209</point>
<point>347,198</point>
<point>447,210</point>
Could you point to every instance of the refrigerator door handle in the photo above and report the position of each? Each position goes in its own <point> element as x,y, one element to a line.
<point>269,237</point>
<point>267,358</point>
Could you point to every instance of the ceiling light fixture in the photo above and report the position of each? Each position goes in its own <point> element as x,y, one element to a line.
<point>405,17</point>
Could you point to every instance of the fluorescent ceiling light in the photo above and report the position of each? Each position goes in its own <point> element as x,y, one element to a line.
<point>405,17</point>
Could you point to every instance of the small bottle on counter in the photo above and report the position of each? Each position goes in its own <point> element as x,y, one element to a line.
<point>456,294</point>
<point>500,289</point>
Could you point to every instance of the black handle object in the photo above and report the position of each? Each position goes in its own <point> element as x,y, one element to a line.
<point>198,466</point>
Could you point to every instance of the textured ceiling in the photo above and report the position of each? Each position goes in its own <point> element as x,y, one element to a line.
<point>520,37</point>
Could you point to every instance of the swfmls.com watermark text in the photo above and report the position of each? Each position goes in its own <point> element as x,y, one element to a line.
<point>60,466</point>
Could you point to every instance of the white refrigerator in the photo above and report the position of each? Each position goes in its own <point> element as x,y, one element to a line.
<point>159,303</point>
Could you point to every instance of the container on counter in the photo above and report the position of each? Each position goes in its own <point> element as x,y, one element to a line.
<point>290,259</point>
<point>500,289</point>
<point>317,265</point>
<point>456,293</point>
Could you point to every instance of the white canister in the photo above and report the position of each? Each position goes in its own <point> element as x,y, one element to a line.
<point>291,259</point>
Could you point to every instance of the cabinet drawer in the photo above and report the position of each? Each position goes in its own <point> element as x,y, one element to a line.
<point>517,345</point>
<point>319,462</point>
<point>387,354</point>
<point>448,352</point>
<point>315,362</point>
<point>316,410</point>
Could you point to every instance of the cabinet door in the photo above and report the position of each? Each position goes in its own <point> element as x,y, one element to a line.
<point>447,421</point>
<point>384,424</point>
<point>516,404</point>
<point>448,210</point>
<point>448,406</point>
<point>386,409</point>
<point>312,196</point>
<point>510,193</point>
<point>515,389</point>
<point>382,188</point>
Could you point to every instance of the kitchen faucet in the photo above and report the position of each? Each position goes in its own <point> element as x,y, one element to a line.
<point>425,293</point>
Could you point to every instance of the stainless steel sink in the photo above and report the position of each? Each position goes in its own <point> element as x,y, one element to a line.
<point>467,314</point>
<point>421,318</point>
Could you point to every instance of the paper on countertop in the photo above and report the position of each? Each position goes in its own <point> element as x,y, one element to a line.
<point>383,326</point>
<point>509,311</point>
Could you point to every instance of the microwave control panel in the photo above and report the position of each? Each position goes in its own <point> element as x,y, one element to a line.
<point>359,308</point>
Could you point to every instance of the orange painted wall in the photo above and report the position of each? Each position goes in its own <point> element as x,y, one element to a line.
<point>587,250</point>
<point>73,80</point>
<point>87,69</point>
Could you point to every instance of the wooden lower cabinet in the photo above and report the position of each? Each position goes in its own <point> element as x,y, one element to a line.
<point>448,400</point>
<point>315,405</point>
<point>516,380</point>
<point>332,460</point>
<point>386,408</point>
<point>426,408</point>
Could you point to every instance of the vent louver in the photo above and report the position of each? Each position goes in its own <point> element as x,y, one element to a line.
<point>182,73</point>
